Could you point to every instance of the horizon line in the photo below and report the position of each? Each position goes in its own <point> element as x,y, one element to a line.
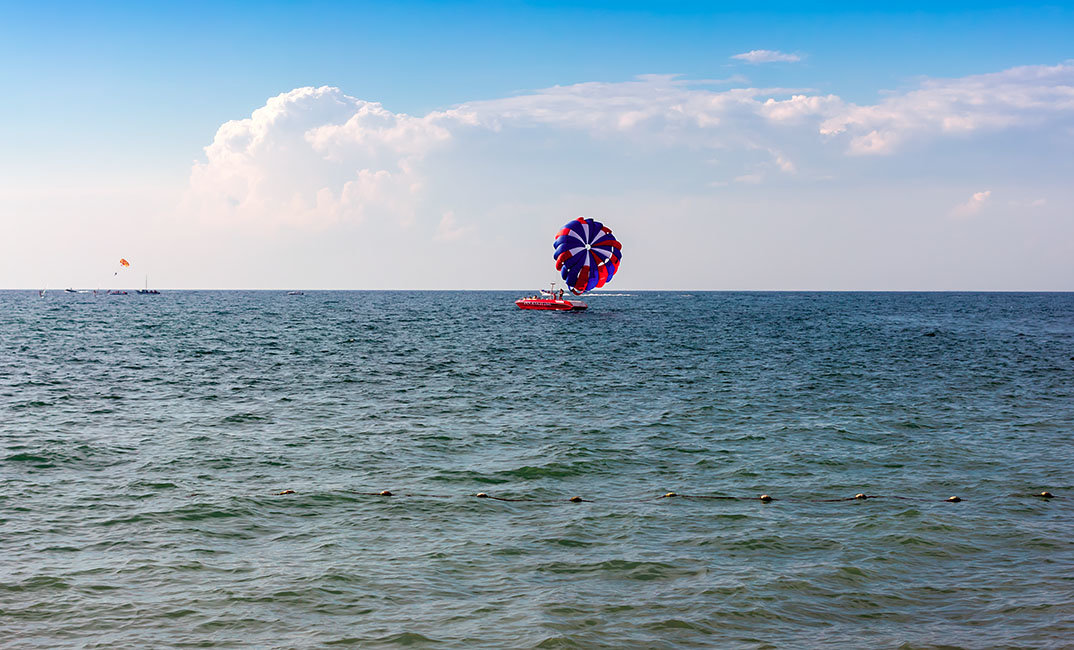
<point>591,293</point>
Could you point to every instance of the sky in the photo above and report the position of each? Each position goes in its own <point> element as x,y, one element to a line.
<point>416,145</point>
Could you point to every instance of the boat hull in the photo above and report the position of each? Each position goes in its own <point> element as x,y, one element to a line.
<point>548,304</point>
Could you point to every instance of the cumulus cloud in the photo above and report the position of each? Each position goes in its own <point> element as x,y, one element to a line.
<point>801,108</point>
<point>315,155</point>
<point>767,56</point>
<point>975,204</point>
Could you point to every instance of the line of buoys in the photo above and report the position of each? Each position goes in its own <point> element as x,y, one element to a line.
<point>764,498</point>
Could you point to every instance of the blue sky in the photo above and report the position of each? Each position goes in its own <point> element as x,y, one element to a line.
<point>107,112</point>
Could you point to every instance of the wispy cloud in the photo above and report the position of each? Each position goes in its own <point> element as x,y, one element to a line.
<point>1018,97</point>
<point>449,229</point>
<point>975,204</point>
<point>767,56</point>
<point>785,165</point>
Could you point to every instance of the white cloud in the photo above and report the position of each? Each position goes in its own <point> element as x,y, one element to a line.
<point>800,108</point>
<point>449,229</point>
<point>315,156</point>
<point>1018,97</point>
<point>767,56</point>
<point>658,109</point>
<point>784,164</point>
<point>975,204</point>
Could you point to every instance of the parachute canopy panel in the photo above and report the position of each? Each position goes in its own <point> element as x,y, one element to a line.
<point>587,254</point>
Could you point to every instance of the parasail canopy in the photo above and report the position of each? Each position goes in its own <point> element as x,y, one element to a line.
<point>124,262</point>
<point>587,254</point>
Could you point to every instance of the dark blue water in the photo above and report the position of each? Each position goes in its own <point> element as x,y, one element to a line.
<point>144,441</point>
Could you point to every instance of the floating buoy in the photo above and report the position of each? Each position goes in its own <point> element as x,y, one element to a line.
<point>765,498</point>
<point>669,495</point>
<point>385,493</point>
<point>860,495</point>
<point>481,495</point>
<point>953,499</point>
<point>1046,495</point>
<point>286,492</point>
<point>575,499</point>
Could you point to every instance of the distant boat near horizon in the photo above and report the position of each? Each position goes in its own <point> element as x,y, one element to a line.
<point>147,291</point>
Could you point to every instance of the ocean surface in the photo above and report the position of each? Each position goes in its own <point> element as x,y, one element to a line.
<point>145,441</point>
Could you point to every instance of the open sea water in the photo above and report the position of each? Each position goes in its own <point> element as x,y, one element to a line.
<point>145,441</point>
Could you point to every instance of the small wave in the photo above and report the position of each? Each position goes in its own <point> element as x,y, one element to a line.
<point>244,417</point>
<point>30,458</point>
<point>552,470</point>
<point>673,624</point>
<point>404,639</point>
<point>30,404</point>
<point>627,569</point>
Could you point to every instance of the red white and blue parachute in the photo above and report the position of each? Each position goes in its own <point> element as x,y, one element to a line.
<point>587,255</point>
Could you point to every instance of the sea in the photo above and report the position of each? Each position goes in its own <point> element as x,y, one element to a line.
<point>204,469</point>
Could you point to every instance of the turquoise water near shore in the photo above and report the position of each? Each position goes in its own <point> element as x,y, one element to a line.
<point>144,441</point>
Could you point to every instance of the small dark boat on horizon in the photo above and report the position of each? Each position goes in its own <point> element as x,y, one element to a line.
<point>147,291</point>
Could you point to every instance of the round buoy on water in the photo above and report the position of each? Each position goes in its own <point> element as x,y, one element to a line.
<point>385,493</point>
<point>953,499</point>
<point>669,495</point>
<point>1046,495</point>
<point>860,495</point>
<point>286,492</point>
<point>765,498</point>
<point>575,499</point>
<point>481,495</point>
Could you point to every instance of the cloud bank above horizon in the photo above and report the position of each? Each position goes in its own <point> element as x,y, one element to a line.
<point>948,183</point>
<point>317,156</point>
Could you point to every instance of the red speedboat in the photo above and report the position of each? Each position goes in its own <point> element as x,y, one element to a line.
<point>550,304</point>
<point>547,301</point>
